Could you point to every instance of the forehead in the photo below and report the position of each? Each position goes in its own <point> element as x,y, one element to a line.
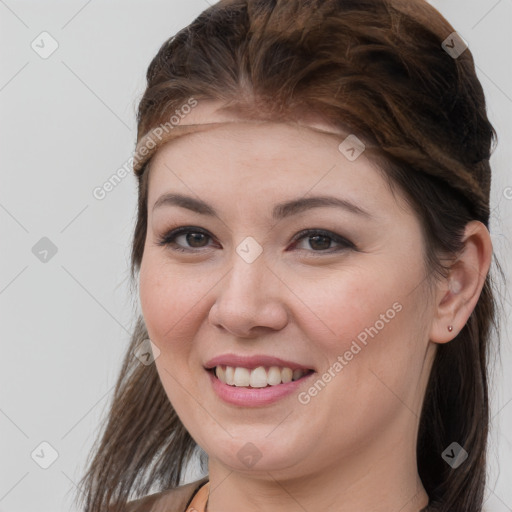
<point>262,158</point>
<point>264,162</point>
<point>251,143</point>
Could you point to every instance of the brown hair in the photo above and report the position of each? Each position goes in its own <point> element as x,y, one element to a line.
<point>378,67</point>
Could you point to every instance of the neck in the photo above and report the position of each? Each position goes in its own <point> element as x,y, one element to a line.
<point>373,481</point>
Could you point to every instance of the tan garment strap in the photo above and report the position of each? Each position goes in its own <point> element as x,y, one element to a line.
<point>173,500</point>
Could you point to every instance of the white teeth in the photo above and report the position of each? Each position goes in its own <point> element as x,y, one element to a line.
<point>274,376</point>
<point>242,376</point>
<point>220,373</point>
<point>259,377</point>
<point>286,375</point>
<point>230,375</point>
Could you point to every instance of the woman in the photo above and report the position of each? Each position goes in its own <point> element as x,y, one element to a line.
<point>313,255</point>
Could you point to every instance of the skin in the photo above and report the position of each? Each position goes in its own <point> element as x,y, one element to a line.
<point>353,445</point>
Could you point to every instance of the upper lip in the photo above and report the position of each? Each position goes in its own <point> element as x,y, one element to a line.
<point>252,362</point>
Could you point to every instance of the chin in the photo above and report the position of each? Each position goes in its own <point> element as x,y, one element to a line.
<point>258,455</point>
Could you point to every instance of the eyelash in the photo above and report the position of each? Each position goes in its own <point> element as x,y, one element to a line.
<point>168,239</point>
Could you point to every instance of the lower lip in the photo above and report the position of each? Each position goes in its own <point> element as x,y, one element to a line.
<point>253,397</point>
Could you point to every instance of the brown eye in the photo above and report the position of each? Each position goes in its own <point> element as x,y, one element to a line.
<point>195,239</point>
<point>191,238</point>
<point>320,241</point>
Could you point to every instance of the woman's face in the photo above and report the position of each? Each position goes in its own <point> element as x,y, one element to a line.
<point>346,301</point>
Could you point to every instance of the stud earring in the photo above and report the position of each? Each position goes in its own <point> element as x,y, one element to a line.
<point>450,328</point>
<point>455,287</point>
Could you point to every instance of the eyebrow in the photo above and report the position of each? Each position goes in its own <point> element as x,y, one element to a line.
<point>280,211</point>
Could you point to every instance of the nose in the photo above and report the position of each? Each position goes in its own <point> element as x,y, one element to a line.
<point>250,300</point>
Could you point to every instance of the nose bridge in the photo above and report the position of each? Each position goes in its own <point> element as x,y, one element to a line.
<point>248,296</point>
<point>248,279</point>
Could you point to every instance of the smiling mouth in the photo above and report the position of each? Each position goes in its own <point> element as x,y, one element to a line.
<point>260,377</point>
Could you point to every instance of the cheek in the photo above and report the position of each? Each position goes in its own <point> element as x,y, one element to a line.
<point>346,305</point>
<point>372,339</point>
<point>368,317</point>
<point>167,299</point>
<point>171,319</point>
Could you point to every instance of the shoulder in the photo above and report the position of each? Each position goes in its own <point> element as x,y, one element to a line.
<point>172,500</point>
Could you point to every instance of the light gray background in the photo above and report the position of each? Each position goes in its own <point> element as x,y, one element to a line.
<point>67,124</point>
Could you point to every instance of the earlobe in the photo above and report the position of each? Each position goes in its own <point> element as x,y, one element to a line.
<point>458,294</point>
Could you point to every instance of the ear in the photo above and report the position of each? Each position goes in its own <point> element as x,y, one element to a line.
<point>457,295</point>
